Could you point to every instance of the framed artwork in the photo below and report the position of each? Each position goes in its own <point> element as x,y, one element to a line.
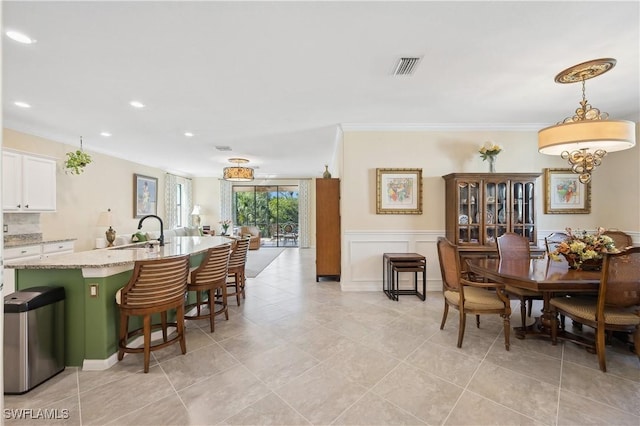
<point>399,191</point>
<point>564,193</point>
<point>145,195</point>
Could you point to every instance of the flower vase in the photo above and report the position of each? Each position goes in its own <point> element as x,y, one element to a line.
<point>492,163</point>
<point>224,231</point>
<point>326,174</point>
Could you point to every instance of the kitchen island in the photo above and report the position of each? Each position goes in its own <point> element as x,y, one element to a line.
<point>91,280</point>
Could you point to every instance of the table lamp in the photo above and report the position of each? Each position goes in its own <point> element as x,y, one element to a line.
<point>105,219</point>
<point>196,215</point>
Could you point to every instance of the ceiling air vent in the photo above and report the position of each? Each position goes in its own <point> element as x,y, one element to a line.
<point>406,66</point>
<point>223,148</point>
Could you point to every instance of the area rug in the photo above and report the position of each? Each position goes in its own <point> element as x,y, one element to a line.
<point>257,260</point>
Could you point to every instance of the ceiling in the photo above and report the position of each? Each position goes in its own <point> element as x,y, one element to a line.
<point>277,81</point>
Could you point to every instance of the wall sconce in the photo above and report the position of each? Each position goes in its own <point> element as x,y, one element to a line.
<point>106,219</point>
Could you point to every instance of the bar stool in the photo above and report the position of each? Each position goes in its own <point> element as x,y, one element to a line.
<point>236,276</point>
<point>210,278</point>
<point>156,286</point>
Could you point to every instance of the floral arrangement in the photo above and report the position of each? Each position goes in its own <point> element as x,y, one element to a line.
<point>225,225</point>
<point>581,247</point>
<point>489,149</point>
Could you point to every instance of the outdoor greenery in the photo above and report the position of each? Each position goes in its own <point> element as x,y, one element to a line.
<point>264,208</point>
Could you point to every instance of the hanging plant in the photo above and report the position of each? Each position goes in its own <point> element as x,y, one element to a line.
<point>77,160</point>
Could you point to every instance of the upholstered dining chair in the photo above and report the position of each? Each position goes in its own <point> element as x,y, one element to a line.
<point>617,307</point>
<point>235,273</point>
<point>512,246</point>
<point>621,239</point>
<point>156,287</point>
<point>210,278</point>
<point>469,297</point>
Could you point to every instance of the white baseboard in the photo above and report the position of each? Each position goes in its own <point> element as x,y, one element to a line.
<point>105,364</point>
<point>100,364</point>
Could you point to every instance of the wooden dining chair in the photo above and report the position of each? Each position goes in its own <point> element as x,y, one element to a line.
<point>617,306</point>
<point>156,287</point>
<point>512,246</point>
<point>621,239</point>
<point>469,297</point>
<point>236,274</point>
<point>210,280</point>
<point>554,239</point>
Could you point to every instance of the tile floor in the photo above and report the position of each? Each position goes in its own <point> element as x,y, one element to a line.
<point>299,352</point>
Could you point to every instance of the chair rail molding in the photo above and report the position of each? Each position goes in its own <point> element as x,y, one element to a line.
<point>362,252</point>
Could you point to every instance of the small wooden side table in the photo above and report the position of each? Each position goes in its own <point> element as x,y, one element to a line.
<point>393,264</point>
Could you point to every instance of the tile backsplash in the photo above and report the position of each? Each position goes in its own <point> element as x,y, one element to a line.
<point>22,227</point>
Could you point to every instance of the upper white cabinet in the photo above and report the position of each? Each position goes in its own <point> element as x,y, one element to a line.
<point>28,183</point>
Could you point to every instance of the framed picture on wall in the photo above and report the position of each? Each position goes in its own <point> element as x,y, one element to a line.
<point>564,193</point>
<point>145,195</point>
<point>398,191</point>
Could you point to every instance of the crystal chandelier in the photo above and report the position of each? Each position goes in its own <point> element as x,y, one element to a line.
<point>585,138</point>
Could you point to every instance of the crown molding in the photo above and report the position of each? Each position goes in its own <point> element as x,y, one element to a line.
<point>425,127</point>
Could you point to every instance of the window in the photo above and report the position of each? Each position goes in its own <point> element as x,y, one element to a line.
<point>179,205</point>
<point>273,209</point>
<point>177,201</point>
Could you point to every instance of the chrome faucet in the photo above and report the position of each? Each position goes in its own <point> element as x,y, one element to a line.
<point>161,239</point>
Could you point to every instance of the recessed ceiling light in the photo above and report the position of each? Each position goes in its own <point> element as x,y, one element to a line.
<point>22,104</point>
<point>105,134</point>
<point>188,134</point>
<point>136,104</point>
<point>19,37</point>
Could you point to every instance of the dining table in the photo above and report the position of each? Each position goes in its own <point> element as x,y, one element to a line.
<point>547,276</point>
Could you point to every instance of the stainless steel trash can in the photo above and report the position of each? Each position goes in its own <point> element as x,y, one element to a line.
<point>33,337</point>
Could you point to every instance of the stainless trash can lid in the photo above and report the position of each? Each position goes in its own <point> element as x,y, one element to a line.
<point>32,298</point>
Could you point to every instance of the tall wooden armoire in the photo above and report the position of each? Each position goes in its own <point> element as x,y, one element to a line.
<point>328,228</point>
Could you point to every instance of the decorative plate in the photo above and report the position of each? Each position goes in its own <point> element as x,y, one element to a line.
<point>463,219</point>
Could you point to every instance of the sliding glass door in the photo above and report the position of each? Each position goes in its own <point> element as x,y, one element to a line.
<point>273,209</point>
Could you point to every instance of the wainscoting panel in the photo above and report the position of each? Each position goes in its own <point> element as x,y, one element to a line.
<point>363,251</point>
<point>362,256</point>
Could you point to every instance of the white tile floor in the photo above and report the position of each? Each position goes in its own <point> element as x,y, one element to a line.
<point>299,352</point>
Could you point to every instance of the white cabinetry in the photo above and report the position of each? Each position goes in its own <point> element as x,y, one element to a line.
<point>50,249</point>
<point>15,254</point>
<point>26,253</point>
<point>28,183</point>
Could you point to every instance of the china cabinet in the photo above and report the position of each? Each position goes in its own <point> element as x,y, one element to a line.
<point>480,207</point>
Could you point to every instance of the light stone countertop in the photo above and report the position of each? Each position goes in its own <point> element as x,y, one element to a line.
<point>22,243</point>
<point>123,255</point>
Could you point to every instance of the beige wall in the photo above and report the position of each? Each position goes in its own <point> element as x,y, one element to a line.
<point>206,192</point>
<point>367,235</point>
<point>106,183</point>
<point>615,184</point>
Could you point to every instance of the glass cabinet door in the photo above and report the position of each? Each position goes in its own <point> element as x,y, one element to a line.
<point>522,219</point>
<point>468,200</point>
<point>495,211</point>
